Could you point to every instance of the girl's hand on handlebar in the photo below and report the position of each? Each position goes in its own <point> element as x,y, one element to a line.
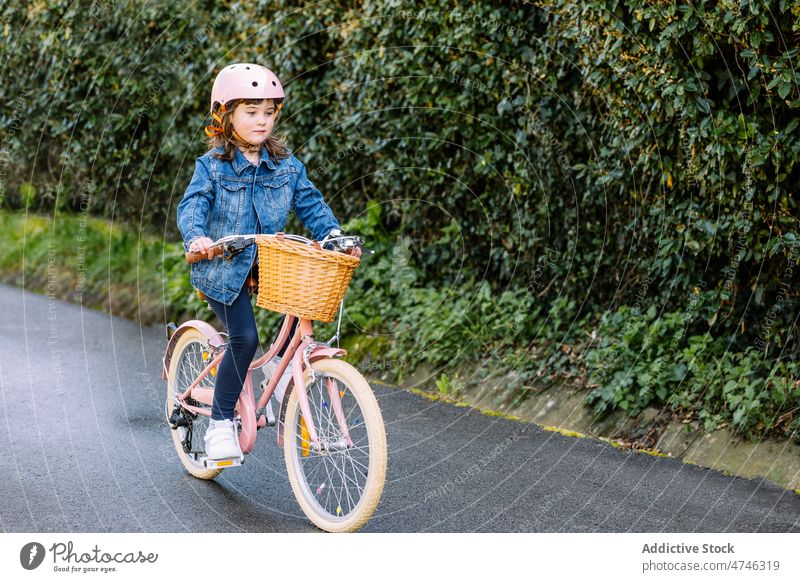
<point>202,245</point>
<point>355,251</point>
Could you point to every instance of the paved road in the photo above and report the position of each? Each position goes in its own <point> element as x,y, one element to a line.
<point>85,448</point>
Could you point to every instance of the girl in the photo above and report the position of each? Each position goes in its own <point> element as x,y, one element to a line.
<point>246,183</point>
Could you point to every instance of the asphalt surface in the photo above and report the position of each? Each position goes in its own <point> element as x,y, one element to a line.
<point>85,448</point>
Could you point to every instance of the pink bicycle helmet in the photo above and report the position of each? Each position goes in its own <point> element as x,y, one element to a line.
<point>242,81</point>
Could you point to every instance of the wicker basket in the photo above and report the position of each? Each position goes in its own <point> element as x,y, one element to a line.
<point>300,279</point>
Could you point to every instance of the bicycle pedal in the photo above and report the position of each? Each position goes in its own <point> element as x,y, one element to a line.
<point>222,463</point>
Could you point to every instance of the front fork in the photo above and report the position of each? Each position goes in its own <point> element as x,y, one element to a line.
<point>308,352</point>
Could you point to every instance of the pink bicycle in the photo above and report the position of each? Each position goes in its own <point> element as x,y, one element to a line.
<point>331,430</point>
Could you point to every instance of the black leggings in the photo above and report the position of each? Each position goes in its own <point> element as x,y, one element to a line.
<point>240,324</point>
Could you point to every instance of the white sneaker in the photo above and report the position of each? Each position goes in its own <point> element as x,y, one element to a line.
<point>221,440</point>
<point>286,377</point>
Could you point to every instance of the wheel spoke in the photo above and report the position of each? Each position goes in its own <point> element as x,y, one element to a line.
<point>346,488</point>
<point>338,498</point>
<point>313,473</point>
<point>357,472</point>
<point>356,461</point>
<point>347,477</point>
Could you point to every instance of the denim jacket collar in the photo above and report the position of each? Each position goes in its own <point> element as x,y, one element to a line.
<point>240,162</point>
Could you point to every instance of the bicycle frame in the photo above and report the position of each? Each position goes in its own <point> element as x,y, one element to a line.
<point>301,352</point>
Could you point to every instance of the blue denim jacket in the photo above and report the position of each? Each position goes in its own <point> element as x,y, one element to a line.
<point>225,198</point>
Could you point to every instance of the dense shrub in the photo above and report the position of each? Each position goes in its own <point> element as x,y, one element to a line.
<point>626,167</point>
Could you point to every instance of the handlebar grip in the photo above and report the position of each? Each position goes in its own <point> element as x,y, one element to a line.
<point>194,256</point>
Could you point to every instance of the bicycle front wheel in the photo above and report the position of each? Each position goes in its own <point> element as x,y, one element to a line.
<point>337,487</point>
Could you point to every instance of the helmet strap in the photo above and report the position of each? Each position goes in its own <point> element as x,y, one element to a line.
<point>215,129</point>
<point>241,142</point>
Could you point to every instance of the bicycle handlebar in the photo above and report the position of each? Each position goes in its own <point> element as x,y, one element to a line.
<point>235,244</point>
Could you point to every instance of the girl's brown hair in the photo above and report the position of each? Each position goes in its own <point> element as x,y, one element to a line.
<point>275,144</point>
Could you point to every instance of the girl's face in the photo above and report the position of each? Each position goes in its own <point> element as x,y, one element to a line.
<point>254,122</point>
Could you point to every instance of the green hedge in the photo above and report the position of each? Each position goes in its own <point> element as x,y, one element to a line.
<point>100,264</point>
<point>593,161</point>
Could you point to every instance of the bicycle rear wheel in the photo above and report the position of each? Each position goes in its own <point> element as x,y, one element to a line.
<point>337,489</point>
<point>190,357</point>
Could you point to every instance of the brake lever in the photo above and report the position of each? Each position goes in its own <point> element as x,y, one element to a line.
<point>354,241</point>
<point>361,246</point>
<point>236,246</point>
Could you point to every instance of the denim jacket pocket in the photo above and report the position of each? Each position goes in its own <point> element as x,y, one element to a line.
<point>280,195</point>
<point>280,183</point>
<point>231,193</point>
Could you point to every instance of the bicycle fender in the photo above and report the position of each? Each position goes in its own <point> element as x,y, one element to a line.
<point>316,354</point>
<point>204,328</point>
<point>326,352</point>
